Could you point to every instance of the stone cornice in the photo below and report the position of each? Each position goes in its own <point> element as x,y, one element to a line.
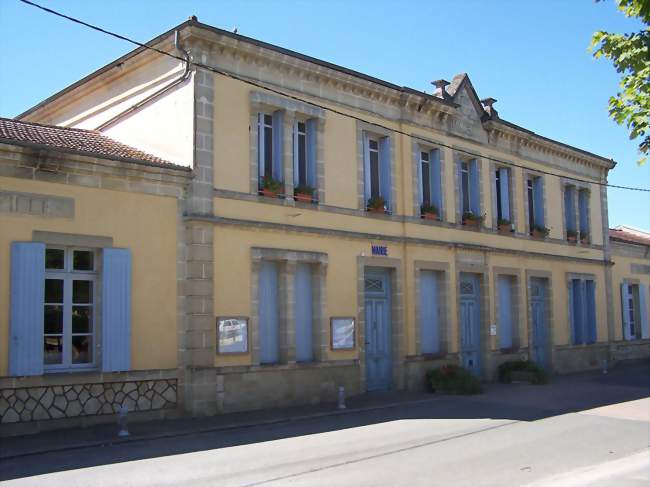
<point>499,129</point>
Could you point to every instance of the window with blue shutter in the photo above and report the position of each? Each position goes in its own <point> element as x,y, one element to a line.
<point>644,311</point>
<point>583,211</point>
<point>116,310</point>
<point>303,313</point>
<point>502,191</point>
<point>469,187</point>
<point>569,208</point>
<point>269,313</point>
<point>270,146</point>
<point>430,190</point>
<point>577,307</point>
<point>535,202</point>
<point>429,312</point>
<point>304,154</point>
<point>582,308</point>
<point>377,170</point>
<point>26,308</point>
<point>590,304</point>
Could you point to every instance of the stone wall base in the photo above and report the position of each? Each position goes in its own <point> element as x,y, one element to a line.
<point>577,358</point>
<point>262,387</point>
<point>630,351</point>
<point>416,368</point>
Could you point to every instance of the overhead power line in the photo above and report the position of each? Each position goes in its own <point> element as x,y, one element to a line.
<point>323,107</point>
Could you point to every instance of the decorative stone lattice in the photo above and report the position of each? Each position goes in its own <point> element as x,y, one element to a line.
<point>68,401</point>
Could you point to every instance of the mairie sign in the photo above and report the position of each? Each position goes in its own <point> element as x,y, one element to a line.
<point>379,250</point>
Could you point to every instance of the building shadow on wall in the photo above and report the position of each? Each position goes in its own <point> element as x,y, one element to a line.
<point>515,402</point>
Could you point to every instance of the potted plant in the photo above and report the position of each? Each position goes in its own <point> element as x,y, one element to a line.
<point>504,226</point>
<point>304,193</point>
<point>472,219</point>
<point>271,187</point>
<point>540,231</point>
<point>429,212</point>
<point>584,237</point>
<point>376,204</point>
<point>572,236</point>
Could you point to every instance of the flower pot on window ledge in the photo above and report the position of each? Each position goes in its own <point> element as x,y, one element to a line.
<point>304,193</point>
<point>584,238</point>
<point>271,188</point>
<point>429,212</point>
<point>504,226</point>
<point>540,233</point>
<point>376,204</point>
<point>472,220</point>
<point>571,236</point>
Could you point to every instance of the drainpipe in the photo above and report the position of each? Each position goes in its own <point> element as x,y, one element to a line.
<point>157,94</point>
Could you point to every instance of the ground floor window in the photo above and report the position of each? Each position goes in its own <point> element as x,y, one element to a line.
<point>582,308</point>
<point>69,307</point>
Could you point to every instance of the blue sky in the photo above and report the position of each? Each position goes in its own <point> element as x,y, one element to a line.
<point>531,56</point>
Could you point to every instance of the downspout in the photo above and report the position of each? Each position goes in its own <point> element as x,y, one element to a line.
<point>157,94</point>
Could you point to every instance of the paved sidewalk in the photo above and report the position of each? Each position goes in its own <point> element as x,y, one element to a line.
<point>522,402</point>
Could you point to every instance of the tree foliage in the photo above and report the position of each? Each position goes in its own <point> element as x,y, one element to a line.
<point>630,54</point>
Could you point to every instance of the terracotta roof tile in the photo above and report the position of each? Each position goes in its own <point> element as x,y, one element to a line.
<point>629,235</point>
<point>82,141</point>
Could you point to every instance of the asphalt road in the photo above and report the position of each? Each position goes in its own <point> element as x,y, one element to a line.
<point>506,437</point>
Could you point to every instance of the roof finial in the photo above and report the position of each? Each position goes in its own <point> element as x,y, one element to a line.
<point>487,105</point>
<point>441,88</point>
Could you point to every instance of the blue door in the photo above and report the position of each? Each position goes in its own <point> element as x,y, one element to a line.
<point>539,329</point>
<point>470,318</point>
<point>377,331</point>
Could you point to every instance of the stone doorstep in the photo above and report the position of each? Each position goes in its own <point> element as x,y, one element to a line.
<point>115,440</point>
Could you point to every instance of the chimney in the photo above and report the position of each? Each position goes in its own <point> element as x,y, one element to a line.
<point>487,105</point>
<point>441,89</point>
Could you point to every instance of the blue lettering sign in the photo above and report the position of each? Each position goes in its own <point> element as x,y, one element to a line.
<point>379,250</point>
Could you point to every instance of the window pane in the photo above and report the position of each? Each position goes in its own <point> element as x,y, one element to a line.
<point>374,174</point>
<point>54,258</point>
<point>426,184</point>
<point>81,349</point>
<point>53,350</point>
<point>53,319</point>
<point>268,152</point>
<point>82,292</point>
<point>53,290</point>
<point>81,319</point>
<point>302,159</point>
<point>465,189</point>
<point>268,119</point>
<point>373,144</point>
<point>82,260</point>
<point>497,181</point>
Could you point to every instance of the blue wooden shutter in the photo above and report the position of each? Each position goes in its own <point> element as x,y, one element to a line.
<point>278,139</point>
<point>418,157</point>
<point>296,155</point>
<point>461,196</point>
<point>436,183</point>
<point>303,313</point>
<point>384,164</point>
<point>576,311</point>
<point>625,311</point>
<point>116,310</point>
<point>269,329</point>
<point>26,314</point>
<point>505,312</point>
<point>366,169</point>
<point>590,301</point>
<point>643,310</point>
<point>475,190</point>
<point>583,208</point>
<point>504,182</point>
<point>260,145</point>
<point>538,195</point>
<point>312,141</point>
<point>569,208</point>
<point>429,317</point>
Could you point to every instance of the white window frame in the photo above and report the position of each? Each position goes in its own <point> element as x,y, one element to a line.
<point>68,274</point>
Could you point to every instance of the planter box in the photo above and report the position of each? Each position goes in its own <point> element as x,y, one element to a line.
<point>375,210</point>
<point>505,229</point>
<point>572,240</point>
<point>539,235</point>
<point>269,194</point>
<point>430,216</point>
<point>585,240</point>
<point>472,223</point>
<point>304,197</point>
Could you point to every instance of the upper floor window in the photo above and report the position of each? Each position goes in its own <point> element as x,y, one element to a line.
<point>535,201</point>
<point>269,151</point>
<point>377,184</point>
<point>470,203</point>
<point>304,158</point>
<point>502,193</point>
<point>430,185</point>
<point>570,213</point>
<point>583,213</point>
<point>69,308</point>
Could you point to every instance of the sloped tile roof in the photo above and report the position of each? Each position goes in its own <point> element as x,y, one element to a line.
<point>629,235</point>
<point>87,142</point>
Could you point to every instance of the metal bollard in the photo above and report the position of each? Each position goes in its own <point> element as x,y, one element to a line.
<point>341,402</point>
<point>123,421</point>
